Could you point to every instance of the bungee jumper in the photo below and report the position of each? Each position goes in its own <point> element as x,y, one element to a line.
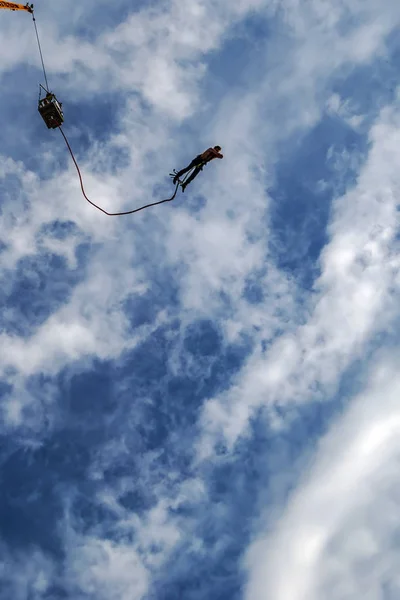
<point>197,165</point>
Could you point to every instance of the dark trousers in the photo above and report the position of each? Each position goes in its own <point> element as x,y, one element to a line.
<point>197,162</point>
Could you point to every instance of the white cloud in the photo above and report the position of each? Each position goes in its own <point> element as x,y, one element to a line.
<point>107,570</point>
<point>354,299</point>
<point>336,538</point>
<point>156,60</point>
<point>24,574</point>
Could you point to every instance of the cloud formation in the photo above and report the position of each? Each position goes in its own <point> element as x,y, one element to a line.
<point>200,401</point>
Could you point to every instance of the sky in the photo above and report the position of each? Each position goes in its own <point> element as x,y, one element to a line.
<point>201,400</point>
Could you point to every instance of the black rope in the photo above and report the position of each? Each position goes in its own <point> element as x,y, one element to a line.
<point>119,214</point>
<point>40,51</point>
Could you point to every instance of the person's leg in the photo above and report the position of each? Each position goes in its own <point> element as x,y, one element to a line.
<point>191,177</point>
<point>193,164</point>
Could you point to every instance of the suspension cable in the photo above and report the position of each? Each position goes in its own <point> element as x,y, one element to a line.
<point>40,52</point>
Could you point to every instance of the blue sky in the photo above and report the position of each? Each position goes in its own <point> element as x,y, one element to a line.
<point>201,400</point>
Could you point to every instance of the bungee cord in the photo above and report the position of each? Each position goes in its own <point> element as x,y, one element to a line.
<point>118,214</point>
